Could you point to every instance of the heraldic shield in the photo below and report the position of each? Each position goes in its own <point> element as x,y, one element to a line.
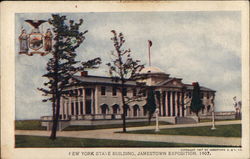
<point>36,41</point>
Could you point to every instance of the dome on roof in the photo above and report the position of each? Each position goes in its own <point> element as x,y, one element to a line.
<point>151,70</point>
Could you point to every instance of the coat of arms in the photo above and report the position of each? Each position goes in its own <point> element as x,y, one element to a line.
<point>35,42</point>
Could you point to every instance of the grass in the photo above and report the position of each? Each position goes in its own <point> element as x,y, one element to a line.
<point>209,120</point>
<point>36,125</point>
<point>94,127</point>
<point>29,125</point>
<point>220,131</point>
<point>23,141</point>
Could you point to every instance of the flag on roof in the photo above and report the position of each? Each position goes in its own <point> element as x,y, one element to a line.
<point>149,43</point>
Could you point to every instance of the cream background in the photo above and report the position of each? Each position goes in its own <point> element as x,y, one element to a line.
<point>8,10</point>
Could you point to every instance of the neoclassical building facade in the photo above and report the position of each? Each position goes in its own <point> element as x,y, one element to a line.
<point>99,98</point>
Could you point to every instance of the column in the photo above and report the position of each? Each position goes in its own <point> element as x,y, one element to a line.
<point>171,104</point>
<point>96,99</point>
<point>62,107</point>
<point>75,114</point>
<point>61,111</point>
<point>84,101</point>
<point>79,102</point>
<point>185,106</point>
<point>67,109</point>
<point>180,104</point>
<point>163,109</point>
<point>166,104</point>
<point>176,104</point>
<point>70,111</point>
<point>92,102</point>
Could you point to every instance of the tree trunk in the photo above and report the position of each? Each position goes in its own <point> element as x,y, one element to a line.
<point>55,120</point>
<point>56,98</point>
<point>124,114</point>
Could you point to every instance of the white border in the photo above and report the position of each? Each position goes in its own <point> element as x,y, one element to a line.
<point>8,10</point>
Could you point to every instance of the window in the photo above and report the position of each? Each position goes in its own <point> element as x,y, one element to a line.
<point>203,108</point>
<point>144,110</point>
<point>124,91</point>
<point>115,108</point>
<point>127,109</point>
<point>71,93</point>
<point>114,91</point>
<point>208,108</point>
<point>104,108</point>
<point>88,107</point>
<point>134,92</point>
<point>77,111</point>
<point>207,95</point>
<point>103,91</point>
<point>88,91</point>
<point>81,107</point>
<point>202,95</point>
<point>80,91</point>
<point>136,110</point>
<point>144,93</point>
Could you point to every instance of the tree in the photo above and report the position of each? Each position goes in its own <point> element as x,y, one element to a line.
<point>62,64</point>
<point>150,105</point>
<point>122,69</point>
<point>196,102</point>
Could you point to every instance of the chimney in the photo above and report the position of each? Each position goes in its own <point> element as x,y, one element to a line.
<point>84,73</point>
<point>194,83</point>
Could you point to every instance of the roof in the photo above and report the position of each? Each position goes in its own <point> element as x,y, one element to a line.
<point>108,81</point>
<point>166,81</point>
<point>191,87</point>
<point>101,80</point>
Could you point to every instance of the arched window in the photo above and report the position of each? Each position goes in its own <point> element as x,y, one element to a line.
<point>202,109</point>
<point>126,109</point>
<point>136,110</point>
<point>104,108</point>
<point>115,108</point>
<point>208,108</point>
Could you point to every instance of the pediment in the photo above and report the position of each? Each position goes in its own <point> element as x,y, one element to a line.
<point>173,83</point>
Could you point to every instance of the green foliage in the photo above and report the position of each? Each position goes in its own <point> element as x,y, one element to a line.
<point>150,105</point>
<point>221,131</point>
<point>196,102</point>
<point>122,68</point>
<point>62,64</point>
<point>38,141</point>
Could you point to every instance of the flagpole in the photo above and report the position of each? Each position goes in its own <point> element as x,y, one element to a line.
<point>149,58</point>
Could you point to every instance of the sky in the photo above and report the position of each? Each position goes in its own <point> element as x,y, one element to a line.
<point>195,46</point>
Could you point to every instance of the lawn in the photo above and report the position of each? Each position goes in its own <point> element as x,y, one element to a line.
<point>93,127</point>
<point>29,125</point>
<point>210,120</point>
<point>38,141</point>
<point>220,131</point>
<point>36,125</point>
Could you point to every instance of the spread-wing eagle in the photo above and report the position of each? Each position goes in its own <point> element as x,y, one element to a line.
<point>35,23</point>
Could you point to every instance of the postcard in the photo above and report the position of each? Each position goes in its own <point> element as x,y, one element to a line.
<point>125,79</point>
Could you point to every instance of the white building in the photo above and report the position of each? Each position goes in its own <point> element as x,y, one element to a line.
<point>98,97</point>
